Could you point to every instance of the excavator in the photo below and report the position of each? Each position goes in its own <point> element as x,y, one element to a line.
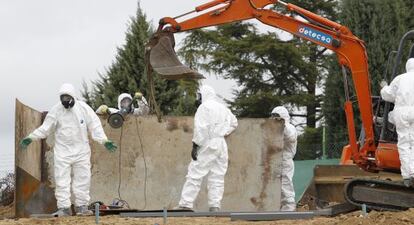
<point>365,158</point>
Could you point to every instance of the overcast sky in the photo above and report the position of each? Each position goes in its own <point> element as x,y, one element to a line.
<point>45,43</point>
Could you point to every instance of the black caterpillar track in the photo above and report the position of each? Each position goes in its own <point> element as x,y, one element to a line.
<point>379,194</point>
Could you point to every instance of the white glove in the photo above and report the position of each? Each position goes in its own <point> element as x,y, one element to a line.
<point>383,84</point>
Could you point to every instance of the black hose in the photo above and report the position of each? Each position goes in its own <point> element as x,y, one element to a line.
<point>119,164</point>
<point>145,164</point>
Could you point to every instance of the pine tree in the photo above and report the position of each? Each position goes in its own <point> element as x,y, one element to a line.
<point>127,74</point>
<point>240,52</point>
<point>409,6</point>
<point>317,59</point>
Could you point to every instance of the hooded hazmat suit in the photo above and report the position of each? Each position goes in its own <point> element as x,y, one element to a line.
<point>142,110</point>
<point>401,93</point>
<point>289,151</point>
<point>212,122</point>
<point>71,147</point>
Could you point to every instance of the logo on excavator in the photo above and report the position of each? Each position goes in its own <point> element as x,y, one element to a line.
<point>315,35</point>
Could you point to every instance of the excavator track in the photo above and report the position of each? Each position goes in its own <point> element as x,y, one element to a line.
<point>379,194</point>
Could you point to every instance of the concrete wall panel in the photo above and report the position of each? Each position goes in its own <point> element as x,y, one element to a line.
<point>252,181</point>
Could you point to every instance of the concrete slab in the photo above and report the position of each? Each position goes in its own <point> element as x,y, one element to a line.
<point>252,180</point>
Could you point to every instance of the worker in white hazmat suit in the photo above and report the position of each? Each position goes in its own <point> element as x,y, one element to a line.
<point>126,105</point>
<point>69,121</point>
<point>289,151</point>
<point>401,93</point>
<point>212,123</point>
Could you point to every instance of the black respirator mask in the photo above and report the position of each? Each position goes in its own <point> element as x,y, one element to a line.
<point>67,101</point>
<point>198,100</point>
<point>126,106</point>
<point>276,116</point>
<point>116,120</point>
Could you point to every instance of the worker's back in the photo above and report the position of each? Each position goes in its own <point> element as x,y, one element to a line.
<point>405,91</point>
<point>219,121</point>
<point>213,121</point>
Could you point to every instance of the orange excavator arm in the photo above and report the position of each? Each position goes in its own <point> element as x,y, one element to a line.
<point>350,51</point>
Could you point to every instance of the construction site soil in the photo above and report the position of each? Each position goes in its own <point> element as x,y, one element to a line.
<point>373,218</point>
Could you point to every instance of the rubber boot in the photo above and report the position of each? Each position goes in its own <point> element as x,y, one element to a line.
<point>62,212</point>
<point>83,211</point>
<point>183,208</point>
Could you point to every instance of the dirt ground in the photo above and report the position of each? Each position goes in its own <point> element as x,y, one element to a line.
<point>373,218</point>
<point>6,211</point>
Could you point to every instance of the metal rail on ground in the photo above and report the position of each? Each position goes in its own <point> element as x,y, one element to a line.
<point>176,214</point>
<point>250,216</point>
<point>269,216</point>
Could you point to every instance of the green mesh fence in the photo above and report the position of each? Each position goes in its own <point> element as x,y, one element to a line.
<point>304,173</point>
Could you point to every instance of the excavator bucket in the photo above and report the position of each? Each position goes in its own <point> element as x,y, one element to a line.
<point>328,183</point>
<point>163,59</point>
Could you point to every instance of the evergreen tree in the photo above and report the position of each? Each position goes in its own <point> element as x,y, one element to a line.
<point>409,5</point>
<point>333,107</point>
<point>240,52</point>
<point>316,57</point>
<point>127,74</point>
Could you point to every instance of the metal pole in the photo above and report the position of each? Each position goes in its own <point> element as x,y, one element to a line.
<point>346,86</point>
<point>324,142</point>
<point>185,14</point>
<point>164,214</point>
<point>364,210</point>
<point>97,213</point>
<point>283,3</point>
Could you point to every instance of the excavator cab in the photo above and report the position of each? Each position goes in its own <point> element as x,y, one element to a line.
<point>388,132</point>
<point>382,136</point>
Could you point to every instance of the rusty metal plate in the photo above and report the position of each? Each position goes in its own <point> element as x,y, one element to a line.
<point>32,196</point>
<point>33,193</point>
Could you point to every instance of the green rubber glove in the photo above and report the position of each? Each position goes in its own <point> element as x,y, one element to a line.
<point>25,142</point>
<point>110,146</point>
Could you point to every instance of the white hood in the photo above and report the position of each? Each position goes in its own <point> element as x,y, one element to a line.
<point>67,89</point>
<point>282,111</point>
<point>207,93</point>
<point>409,66</point>
<point>122,96</point>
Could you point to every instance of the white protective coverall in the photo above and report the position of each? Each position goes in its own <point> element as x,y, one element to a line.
<point>288,168</point>
<point>401,93</point>
<point>71,147</point>
<point>212,122</point>
<point>142,110</point>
